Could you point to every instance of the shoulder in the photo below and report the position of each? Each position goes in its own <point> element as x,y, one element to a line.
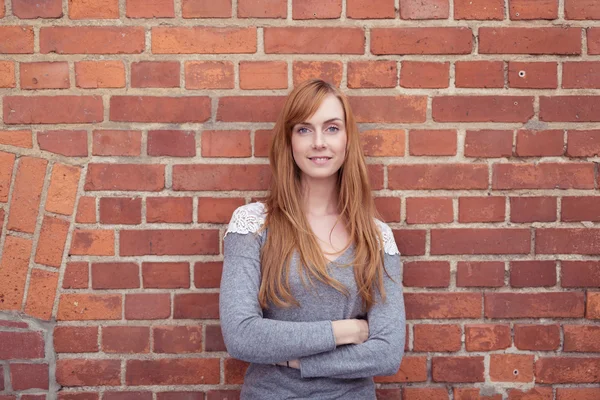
<point>389,244</point>
<point>248,218</point>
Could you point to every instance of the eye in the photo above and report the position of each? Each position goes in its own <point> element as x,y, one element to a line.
<point>333,129</point>
<point>302,130</point>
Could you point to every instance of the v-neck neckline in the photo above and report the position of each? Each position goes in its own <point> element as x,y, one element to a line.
<point>338,258</point>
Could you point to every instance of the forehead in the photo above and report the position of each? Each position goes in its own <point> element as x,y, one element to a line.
<point>331,107</point>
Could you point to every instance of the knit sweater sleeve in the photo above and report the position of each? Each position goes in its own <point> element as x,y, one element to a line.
<point>382,353</point>
<point>247,334</point>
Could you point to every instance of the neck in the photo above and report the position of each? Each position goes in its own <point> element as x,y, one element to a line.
<point>320,196</point>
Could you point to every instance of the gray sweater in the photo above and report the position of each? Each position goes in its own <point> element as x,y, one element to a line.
<point>265,337</point>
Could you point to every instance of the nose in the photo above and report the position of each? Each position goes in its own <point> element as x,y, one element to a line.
<point>318,139</point>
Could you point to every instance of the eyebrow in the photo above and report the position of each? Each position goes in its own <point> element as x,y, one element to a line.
<point>326,122</point>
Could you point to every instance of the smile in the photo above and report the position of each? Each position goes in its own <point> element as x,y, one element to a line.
<point>319,160</point>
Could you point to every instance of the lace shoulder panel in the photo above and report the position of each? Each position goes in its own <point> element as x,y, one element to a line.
<point>247,219</point>
<point>389,244</point>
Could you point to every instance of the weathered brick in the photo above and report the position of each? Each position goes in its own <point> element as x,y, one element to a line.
<point>262,8</point>
<point>546,40</point>
<point>437,337</point>
<point>76,275</point>
<point>147,306</point>
<point>457,369</point>
<point>543,176</point>
<point>64,142</point>
<point>426,274</point>
<point>424,9</point>
<point>442,305</point>
<point>580,273</point>
<point>81,307</point>
<point>480,274</point>
<point>80,372</point>
<point>511,367</point>
<point>16,40</point>
<point>583,143</point>
<point>372,74</point>
<point>172,143</point>
<point>115,275</point>
<point>567,241</point>
<point>537,337</point>
<point>26,9</point>
<point>116,143</point>
<point>44,75</point>
<point>567,370</point>
<point>169,210</point>
<point>51,243</point>
<point>62,192</point>
<point>67,109</point>
<point>532,75</point>
<point>429,210</point>
<point>480,10</point>
<point>196,306</point>
<point>168,242</point>
<point>482,108</point>
<point>480,241</point>
<point>582,338</point>
<point>438,176</point>
<point>412,369</point>
<point>93,242</point>
<point>374,9</point>
<point>488,143</point>
<point>155,74</point>
<point>92,40</point>
<point>534,305</point>
<point>177,339</point>
<point>21,345</point>
<point>220,177</point>
<point>487,337</point>
<point>307,40</point>
<point>570,108</point>
<point>226,144</point>
<point>481,209</point>
<point>479,74</point>
<point>390,109</point>
<point>329,71</point>
<point>527,9</point>
<point>532,209</point>
<point>209,75</point>
<point>539,143</point>
<point>203,40</point>
<point>99,74</point>
<point>444,40</point>
<point>41,294</point>
<point>29,376</point>
<point>150,9</point>
<point>183,371</point>
<point>166,275</point>
<point>93,9</point>
<point>208,274</point>
<point>381,142</point>
<point>7,162</point>
<point>532,273</point>
<point>86,210</point>
<point>126,339</point>
<point>17,138</point>
<point>420,74</point>
<point>159,109</point>
<point>582,9</point>
<point>263,75</point>
<point>132,177</point>
<point>316,9</point>
<point>27,191</point>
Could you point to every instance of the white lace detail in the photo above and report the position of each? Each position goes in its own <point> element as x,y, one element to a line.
<point>247,218</point>
<point>389,244</point>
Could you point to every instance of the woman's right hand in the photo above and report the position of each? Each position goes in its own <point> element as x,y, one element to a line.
<point>350,331</point>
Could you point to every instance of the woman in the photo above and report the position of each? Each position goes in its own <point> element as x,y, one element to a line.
<point>310,291</point>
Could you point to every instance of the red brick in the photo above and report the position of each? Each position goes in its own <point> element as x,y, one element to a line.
<point>249,108</point>
<point>147,306</point>
<point>362,9</point>
<point>14,324</point>
<point>532,273</point>
<point>539,143</point>
<point>166,275</point>
<point>481,10</point>
<point>168,242</point>
<point>78,372</point>
<point>582,338</point>
<point>426,274</point>
<point>7,74</point>
<point>567,241</point>
<point>115,275</point>
<point>424,9</point>
<point>16,40</point>
<point>481,209</point>
<point>262,142</point>
<point>593,305</point>
<point>457,369</point>
<point>63,395</point>
<point>488,143</point>
<point>92,40</point>
<point>29,376</point>
<point>189,395</point>
<point>86,210</point>
<point>534,305</point>
<point>120,210</point>
<point>52,109</point>
<point>430,75</point>
<point>438,176</point>
<point>173,143</point>
<point>93,242</point>
<point>473,394</point>
<point>567,370</point>
<point>14,266</point>
<point>159,109</point>
<point>487,337</point>
<point>480,241</point>
<point>389,109</point>
<point>433,305</point>
<point>152,9</point>
<point>226,144</point>
<point>583,143</point>
<point>51,242</point>
<point>76,339</point>
<point>126,339</point>
<point>169,210</point>
<point>262,8</point>
<point>410,241</point>
<point>372,74</point>
<point>76,275</point>
<point>412,369</point>
<point>383,143</point>
<point>593,40</point>
<point>570,108</point>
<point>538,9</point>
<point>316,9</point>
<point>182,371</point>
<point>429,210</point>
<point>532,75</point>
<point>437,338</point>
<point>511,367</point>
<point>482,108</point>
<point>25,9</point>
<point>203,40</point>
<point>479,74</point>
<point>214,339</point>
<point>580,274</point>
<point>444,40</point>
<point>21,345</point>
<point>217,210</point>
<point>64,142</point>
<point>532,209</point>
<point>535,393</point>
<point>196,306</point>
<point>127,395</point>
<point>582,9</point>
<point>206,9</point>
<point>577,393</point>
<point>27,191</point>
<point>543,40</point>
<point>44,75</point>
<point>177,339</point>
<point>134,177</point>
<point>480,274</point>
<point>116,143</point>
<point>308,40</point>
<point>99,74</point>
<point>209,75</point>
<point>208,274</point>
<point>411,393</point>
<point>63,189</point>
<point>93,9</point>
<point>155,74</point>
<point>543,176</point>
<point>17,138</point>
<point>329,71</point>
<point>537,337</point>
<point>82,307</point>
<point>7,162</point>
<point>220,177</point>
<point>263,75</point>
<point>581,75</point>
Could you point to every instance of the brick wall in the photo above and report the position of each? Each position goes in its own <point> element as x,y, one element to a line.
<point>131,129</point>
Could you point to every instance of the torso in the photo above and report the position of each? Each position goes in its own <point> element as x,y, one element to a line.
<point>332,243</point>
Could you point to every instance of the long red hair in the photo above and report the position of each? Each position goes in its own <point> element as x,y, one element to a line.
<point>288,228</point>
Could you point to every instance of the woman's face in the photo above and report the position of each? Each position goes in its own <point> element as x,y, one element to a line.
<point>319,143</point>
